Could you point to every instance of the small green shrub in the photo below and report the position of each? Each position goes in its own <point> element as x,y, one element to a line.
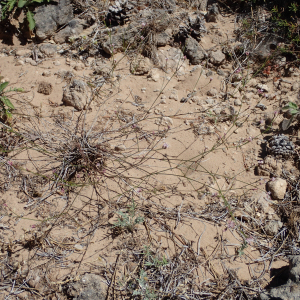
<point>128,220</point>
<point>5,104</point>
<point>294,111</point>
<point>10,5</point>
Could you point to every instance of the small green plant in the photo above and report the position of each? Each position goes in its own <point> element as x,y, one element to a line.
<point>5,104</point>
<point>153,261</point>
<point>294,111</point>
<point>128,220</point>
<point>143,291</point>
<point>10,5</point>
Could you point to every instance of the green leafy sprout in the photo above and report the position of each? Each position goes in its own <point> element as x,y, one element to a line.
<point>10,5</point>
<point>294,111</point>
<point>5,104</point>
<point>128,220</point>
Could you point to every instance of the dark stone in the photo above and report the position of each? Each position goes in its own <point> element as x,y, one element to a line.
<point>193,51</point>
<point>89,287</point>
<point>74,28</point>
<point>162,39</point>
<point>48,49</point>
<point>49,17</point>
<point>291,289</point>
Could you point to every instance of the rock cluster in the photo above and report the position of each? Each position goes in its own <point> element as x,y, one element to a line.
<point>119,13</point>
<point>281,145</point>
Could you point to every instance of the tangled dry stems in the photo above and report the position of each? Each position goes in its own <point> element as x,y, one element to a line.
<point>82,173</point>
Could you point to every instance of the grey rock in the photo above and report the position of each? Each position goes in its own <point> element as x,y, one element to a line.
<point>49,17</point>
<point>163,39</point>
<point>103,69</point>
<point>89,287</point>
<point>295,86</point>
<point>116,42</point>
<point>170,60</point>
<point>212,92</point>
<point>153,75</point>
<point>73,29</point>
<point>277,188</point>
<point>209,73</point>
<point>141,65</point>
<point>295,268</point>
<point>23,52</point>
<point>76,95</point>
<point>273,226</point>
<point>267,45</point>
<point>220,72</point>
<point>280,145</point>
<point>217,57</point>
<point>193,51</point>
<point>291,289</point>
<point>261,106</point>
<point>237,102</point>
<point>212,15</point>
<point>48,49</point>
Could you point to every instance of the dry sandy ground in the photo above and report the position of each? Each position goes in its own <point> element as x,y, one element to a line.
<point>180,160</point>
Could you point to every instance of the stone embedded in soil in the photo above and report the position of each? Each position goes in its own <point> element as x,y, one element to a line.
<point>277,188</point>
<point>20,62</point>
<point>154,75</point>
<point>217,57</point>
<point>73,29</point>
<point>89,287</point>
<point>48,49</point>
<point>290,290</point>
<point>163,38</point>
<point>120,148</point>
<point>45,88</point>
<point>193,51</point>
<point>237,102</point>
<point>23,52</point>
<point>272,227</point>
<point>140,66</point>
<point>212,92</point>
<point>174,95</point>
<point>263,88</point>
<point>75,95</point>
<point>46,73</point>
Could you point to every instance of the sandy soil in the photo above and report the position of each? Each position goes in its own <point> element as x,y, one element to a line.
<point>180,162</point>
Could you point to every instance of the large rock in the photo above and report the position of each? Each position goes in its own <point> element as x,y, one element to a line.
<point>89,287</point>
<point>118,42</point>
<point>217,57</point>
<point>48,49</point>
<point>265,48</point>
<point>76,95</point>
<point>289,290</point>
<point>171,60</point>
<point>73,29</point>
<point>49,17</point>
<point>163,38</point>
<point>140,65</point>
<point>277,188</point>
<point>193,51</point>
<point>272,227</point>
